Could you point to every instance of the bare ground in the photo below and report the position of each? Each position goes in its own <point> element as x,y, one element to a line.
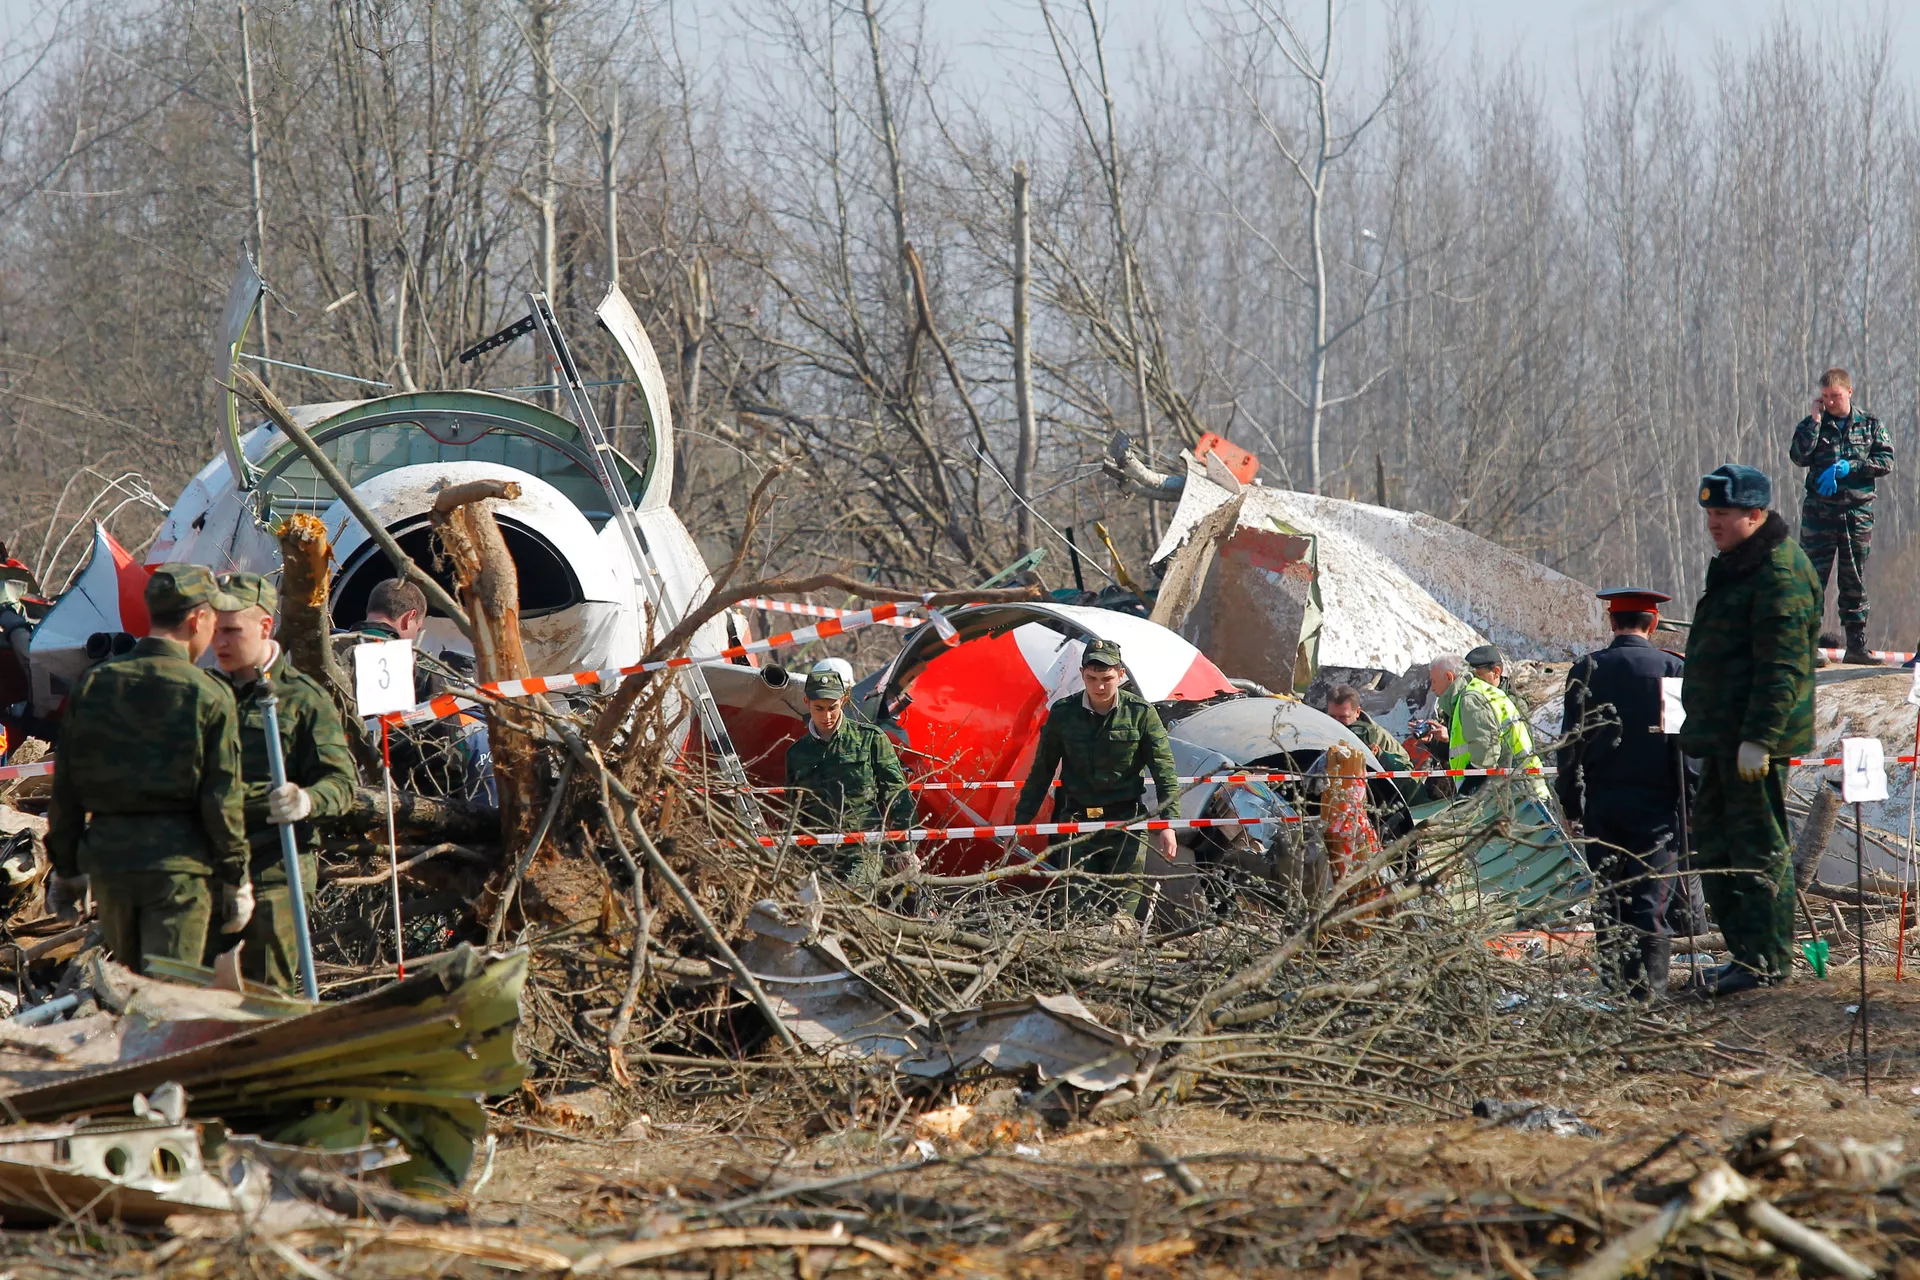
<point>772,1172</point>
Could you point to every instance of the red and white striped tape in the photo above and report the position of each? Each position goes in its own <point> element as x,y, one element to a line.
<point>38,769</point>
<point>447,703</point>
<point>1878,655</point>
<point>816,611</point>
<point>918,834</point>
<point>1010,784</point>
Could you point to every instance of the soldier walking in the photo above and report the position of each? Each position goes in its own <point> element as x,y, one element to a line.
<point>846,775</point>
<point>1102,741</point>
<point>1620,777</point>
<point>1749,704</point>
<point>1844,450</point>
<point>320,770</point>
<point>146,793</point>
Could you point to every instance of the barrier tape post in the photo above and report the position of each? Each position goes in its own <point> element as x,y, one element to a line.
<point>393,849</point>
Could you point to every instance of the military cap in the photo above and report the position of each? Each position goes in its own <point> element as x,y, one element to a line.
<point>175,587</point>
<point>1734,484</point>
<point>1102,653</point>
<point>1485,655</point>
<point>1632,599</point>
<point>825,684</point>
<point>251,589</point>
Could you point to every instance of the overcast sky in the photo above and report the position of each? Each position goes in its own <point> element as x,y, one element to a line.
<point>992,42</point>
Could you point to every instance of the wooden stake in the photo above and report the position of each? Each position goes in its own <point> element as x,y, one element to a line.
<point>1860,921</point>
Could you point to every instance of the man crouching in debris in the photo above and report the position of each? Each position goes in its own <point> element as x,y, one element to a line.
<point>1102,741</point>
<point>320,771</point>
<point>147,796</point>
<point>1749,706</point>
<point>846,775</point>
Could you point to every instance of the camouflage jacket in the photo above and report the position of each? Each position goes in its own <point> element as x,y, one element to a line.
<point>313,741</point>
<point>1101,758</point>
<point>1749,672</point>
<point>147,776</point>
<point>1859,438</point>
<point>849,782</point>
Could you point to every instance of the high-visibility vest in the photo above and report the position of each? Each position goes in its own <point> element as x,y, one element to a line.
<point>1514,734</point>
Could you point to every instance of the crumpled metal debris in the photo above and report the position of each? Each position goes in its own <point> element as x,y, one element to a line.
<point>413,1060</point>
<point>845,1015</point>
<point>1530,1116</point>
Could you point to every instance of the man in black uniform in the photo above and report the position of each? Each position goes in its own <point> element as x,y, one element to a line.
<point>1619,776</point>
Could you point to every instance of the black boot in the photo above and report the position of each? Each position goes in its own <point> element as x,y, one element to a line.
<point>1857,653</point>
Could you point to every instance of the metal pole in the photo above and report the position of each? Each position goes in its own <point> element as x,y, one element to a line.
<point>393,851</point>
<point>1694,926</point>
<point>1860,927</point>
<point>289,850</point>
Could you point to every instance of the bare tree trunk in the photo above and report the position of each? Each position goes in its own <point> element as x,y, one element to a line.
<point>402,374</point>
<point>1026,456</point>
<point>896,175</point>
<point>543,103</point>
<point>610,218</point>
<point>253,169</point>
<point>490,587</point>
<point>1129,266</point>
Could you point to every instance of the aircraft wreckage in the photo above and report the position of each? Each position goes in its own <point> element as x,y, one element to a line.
<point>1263,593</point>
<point>1335,589</point>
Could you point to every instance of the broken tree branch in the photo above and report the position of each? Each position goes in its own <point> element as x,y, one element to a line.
<point>489,584</point>
<point>250,386</point>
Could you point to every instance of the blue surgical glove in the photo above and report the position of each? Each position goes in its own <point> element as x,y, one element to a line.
<point>1829,482</point>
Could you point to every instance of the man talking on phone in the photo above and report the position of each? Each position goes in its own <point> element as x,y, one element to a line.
<point>1844,450</point>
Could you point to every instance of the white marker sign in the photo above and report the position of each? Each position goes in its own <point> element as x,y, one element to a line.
<point>383,676</point>
<point>1863,770</point>
<point>1672,713</point>
<point>1913,694</point>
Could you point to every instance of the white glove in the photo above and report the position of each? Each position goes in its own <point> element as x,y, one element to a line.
<point>236,905</point>
<point>1752,762</point>
<point>288,802</point>
<point>64,896</point>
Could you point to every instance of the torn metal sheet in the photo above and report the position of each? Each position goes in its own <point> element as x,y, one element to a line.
<point>814,989</point>
<point>130,1170</point>
<point>108,595</point>
<point>1053,1037</point>
<point>836,1011</point>
<point>414,1060</point>
<point>1353,585</point>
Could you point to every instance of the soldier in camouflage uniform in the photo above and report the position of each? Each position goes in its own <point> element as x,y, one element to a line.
<point>320,770</point>
<point>1102,741</point>
<point>846,776</point>
<point>1749,706</point>
<point>146,793</point>
<point>1844,451</point>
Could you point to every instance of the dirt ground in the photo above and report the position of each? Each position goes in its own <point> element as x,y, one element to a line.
<point>776,1173</point>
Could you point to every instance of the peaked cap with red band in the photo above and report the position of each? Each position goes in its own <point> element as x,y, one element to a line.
<point>1633,600</point>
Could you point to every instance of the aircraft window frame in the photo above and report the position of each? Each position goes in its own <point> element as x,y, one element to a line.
<point>284,454</point>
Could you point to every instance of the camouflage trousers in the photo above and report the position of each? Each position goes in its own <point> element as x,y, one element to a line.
<point>1830,532</point>
<point>1740,853</point>
<point>153,913</point>
<point>272,954</point>
<point>1104,853</point>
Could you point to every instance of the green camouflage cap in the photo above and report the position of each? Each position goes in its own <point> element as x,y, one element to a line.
<point>1102,653</point>
<point>174,587</point>
<point>825,684</point>
<point>251,589</point>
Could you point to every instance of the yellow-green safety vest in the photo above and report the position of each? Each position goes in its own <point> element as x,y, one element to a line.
<point>1514,734</point>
